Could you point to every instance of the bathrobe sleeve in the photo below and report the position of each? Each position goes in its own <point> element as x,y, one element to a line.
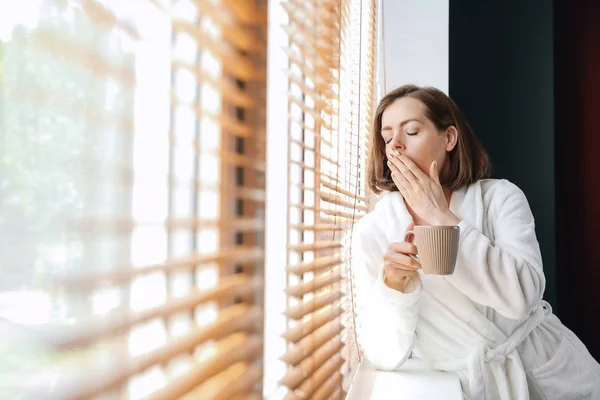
<point>386,318</point>
<point>506,273</point>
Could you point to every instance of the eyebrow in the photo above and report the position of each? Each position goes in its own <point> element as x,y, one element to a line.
<point>402,123</point>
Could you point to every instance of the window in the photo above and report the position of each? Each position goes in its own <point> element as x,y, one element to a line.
<point>330,55</point>
<point>132,164</point>
<point>142,253</point>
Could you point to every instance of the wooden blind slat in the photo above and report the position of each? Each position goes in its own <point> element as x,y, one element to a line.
<point>243,383</point>
<point>302,165</point>
<point>315,113</point>
<point>235,64</point>
<point>324,20</point>
<point>339,394</point>
<point>242,161</point>
<point>330,160</point>
<point>316,169</point>
<point>316,227</point>
<point>319,282</point>
<point>320,76</point>
<point>328,388</point>
<point>309,344</point>
<point>316,265</point>
<point>228,90</point>
<point>312,149</point>
<point>232,31</point>
<point>320,103</point>
<point>355,216</point>
<point>107,18</point>
<point>295,376</point>
<point>329,211</point>
<point>226,122</point>
<point>304,125</point>
<point>93,382</point>
<point>234,382</point>
<point>308,306</point>
<point>247,193</point>
<point>237,348</point>
<point>327,369</point>
<point>332,179</point>
<point>330,198</point>
<point>327,5</point>
<point>126,273</point>
<point>99,224</point>
<point>316,246</point>
<point>313,50</point>
<point>313,322</point>
<point>247,12</point>
<point>329,10</point>
<point>241,39</point>
<point>228,287</point>
<point>342,222</point>
<point>343,191</point>
<point>231,125</point>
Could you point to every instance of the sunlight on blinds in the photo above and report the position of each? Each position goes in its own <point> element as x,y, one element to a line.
<point>360,52</point>
<point>132,159</point>
<point>331,52</point>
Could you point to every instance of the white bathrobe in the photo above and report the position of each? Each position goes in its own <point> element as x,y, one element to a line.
<point>487,321</point>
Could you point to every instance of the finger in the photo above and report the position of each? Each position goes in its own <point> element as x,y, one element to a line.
<point>401,258</point>
<point>413,167</point>
<point>434,173</point>
<point>403,247</point>
<point>401,262</point>
<point>393,164</point>
<point>403,191</point>
<point>399,176</point>
<point>408,174</point>
<point>399,181</point>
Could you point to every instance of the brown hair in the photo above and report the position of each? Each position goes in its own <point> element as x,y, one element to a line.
<point>468,162</point>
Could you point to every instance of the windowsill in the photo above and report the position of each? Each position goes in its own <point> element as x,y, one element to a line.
<point>412,381</point>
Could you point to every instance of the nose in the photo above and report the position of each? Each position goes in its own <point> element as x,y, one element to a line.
<point>397,144</point>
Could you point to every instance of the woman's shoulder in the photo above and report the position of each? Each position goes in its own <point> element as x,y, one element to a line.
<point>498,188</point>
<point>502,194</point>
<point>372,222</point>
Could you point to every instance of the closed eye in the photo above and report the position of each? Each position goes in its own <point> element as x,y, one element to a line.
<point>411,133</point>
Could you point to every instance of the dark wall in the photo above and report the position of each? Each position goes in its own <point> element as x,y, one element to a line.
<point>501,76</point>
<point>577,109</point>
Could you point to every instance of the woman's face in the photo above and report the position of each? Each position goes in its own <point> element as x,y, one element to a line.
<point>406,129</point>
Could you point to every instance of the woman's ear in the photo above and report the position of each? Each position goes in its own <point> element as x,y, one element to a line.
<point>451,138</point>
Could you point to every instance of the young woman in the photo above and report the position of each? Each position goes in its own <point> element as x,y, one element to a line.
<point>487,321</point>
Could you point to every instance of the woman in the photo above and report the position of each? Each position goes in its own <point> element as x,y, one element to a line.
<point>486,321</point>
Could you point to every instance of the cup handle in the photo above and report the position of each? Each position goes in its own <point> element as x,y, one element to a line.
<point>408,236</point>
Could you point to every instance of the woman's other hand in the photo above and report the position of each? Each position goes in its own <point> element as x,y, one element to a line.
<point>423,194</point>
<point>399,267</point>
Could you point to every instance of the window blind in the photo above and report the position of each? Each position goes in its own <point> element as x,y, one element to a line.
<point>331,56</point>
<point>132,195</point>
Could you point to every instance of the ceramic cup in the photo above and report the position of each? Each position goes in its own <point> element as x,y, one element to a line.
<point>437,247</point>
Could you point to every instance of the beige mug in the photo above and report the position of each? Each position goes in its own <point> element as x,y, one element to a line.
<point>437,247</point>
